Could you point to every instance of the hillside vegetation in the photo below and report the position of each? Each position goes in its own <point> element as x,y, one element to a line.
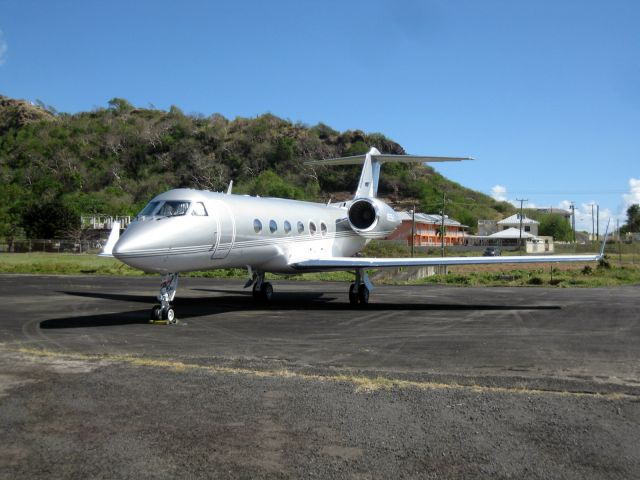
<point>113,160</point>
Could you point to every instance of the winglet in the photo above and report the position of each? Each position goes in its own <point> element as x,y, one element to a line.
<point>107,251</point>
<point>230,187</point>
<point>604,240</point>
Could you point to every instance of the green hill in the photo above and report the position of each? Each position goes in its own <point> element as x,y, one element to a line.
<point>114,159</point>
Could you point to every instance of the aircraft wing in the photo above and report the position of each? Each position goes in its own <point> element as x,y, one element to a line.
<point>348,263</point>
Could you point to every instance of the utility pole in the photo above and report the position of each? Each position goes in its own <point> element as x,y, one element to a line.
<point>444,201</point>
<point>597,222</point>
<point>521,200</point>
<point>413,228</point>
<point>593,227</point>
<point>619,244</point>
<point>573,221</point>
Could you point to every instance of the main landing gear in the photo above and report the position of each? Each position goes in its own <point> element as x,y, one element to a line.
<point>165,311</point>
<point>359,290</point>
<point>262,291</point>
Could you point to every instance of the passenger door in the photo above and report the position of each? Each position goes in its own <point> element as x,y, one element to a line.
<point>225,230</point>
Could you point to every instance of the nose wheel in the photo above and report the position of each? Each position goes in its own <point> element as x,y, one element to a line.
<point>159,313</point>
<point>165,311</point>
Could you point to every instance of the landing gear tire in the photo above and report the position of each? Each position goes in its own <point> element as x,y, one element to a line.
<point>156,313</point>
<point>169,315</point>
<point>263,294</point>
<point>363,294</point>
<point>353,294</point>
<point>266,292</point>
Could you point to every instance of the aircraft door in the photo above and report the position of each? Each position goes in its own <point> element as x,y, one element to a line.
<point>225,232</point>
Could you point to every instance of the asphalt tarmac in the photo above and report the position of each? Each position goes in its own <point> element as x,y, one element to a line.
<point>426,382</point>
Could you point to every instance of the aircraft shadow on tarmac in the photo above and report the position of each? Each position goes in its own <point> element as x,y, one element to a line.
<point>192,307</point>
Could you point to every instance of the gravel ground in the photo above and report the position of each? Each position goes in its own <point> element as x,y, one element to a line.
<point>131,400</point>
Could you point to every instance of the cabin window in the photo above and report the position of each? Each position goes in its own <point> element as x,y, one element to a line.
<point>323,228</point>
<point>273,226</point>
<point>312,228</point>
<point>173,208</point>
<point>148,210</point>
<point>287,226</point>
<point>199,210</point>
<point>300,227</point>
<point>257,225</point>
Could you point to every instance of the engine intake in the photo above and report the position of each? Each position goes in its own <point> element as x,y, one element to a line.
<point>372,218</point>
<point>362,215</point>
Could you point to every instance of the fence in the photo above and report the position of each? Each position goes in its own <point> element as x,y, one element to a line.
<point>52,246</point>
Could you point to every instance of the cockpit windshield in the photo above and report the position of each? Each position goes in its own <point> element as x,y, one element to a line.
<point>173,208</point>
<point>170,208</point>
<point>148,210</point>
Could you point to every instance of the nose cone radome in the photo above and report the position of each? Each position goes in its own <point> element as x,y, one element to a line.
<point>140,239</point>
<point>122,247</point>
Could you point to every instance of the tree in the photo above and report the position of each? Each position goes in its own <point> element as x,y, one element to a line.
<point>269,184</point>
<point>120,105</point>
<point>556,226</point>
<point>633,219</point>
<point>49,220</point>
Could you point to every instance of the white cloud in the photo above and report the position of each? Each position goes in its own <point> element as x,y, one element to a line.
<point>499,193</point>
<point>633,196</point>
<point>565,205</point>
<point>4,48</point>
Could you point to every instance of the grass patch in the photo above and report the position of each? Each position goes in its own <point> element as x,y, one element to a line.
<point>577,277</point>
<point>39,263</point>
<point>63,264</point>
<point>593,275</point>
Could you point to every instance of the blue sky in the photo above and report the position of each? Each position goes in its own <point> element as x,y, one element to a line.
<point>544,94</point>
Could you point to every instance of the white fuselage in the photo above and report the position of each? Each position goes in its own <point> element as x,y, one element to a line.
<point>266,234</point>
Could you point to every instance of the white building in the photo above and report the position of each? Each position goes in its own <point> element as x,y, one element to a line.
<point>529,225</point>
<point>506,233</point>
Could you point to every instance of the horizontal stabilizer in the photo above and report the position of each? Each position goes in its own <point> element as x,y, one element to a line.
<point>382,158</point>
<point>371,163</point>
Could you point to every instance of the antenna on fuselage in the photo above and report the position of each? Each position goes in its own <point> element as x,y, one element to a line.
<point>230,187</point>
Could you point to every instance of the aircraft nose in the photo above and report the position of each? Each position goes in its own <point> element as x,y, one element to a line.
<point>134,239</point>
<point>122,247</point>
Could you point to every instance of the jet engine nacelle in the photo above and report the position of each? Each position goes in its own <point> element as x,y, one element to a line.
<point>372,218</point>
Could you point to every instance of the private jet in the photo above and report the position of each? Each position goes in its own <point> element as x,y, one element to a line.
<point>183,230</point>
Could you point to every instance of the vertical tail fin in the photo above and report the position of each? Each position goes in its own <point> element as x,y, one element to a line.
<point>370,176</point>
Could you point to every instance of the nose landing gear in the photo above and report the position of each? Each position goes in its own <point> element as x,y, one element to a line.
<point>165,311</point>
